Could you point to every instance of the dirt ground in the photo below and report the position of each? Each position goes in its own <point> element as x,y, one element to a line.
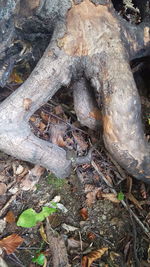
<point>96,227</point>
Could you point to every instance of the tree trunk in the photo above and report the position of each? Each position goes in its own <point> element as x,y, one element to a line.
<point>91,47</point>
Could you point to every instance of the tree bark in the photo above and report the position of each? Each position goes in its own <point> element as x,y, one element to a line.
<point>92,45</point>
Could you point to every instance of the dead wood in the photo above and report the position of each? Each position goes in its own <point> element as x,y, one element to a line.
<point>90,40</point>
<point>57,247</point>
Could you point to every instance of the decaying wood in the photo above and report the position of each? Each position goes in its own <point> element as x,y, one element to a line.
<point>90,43</point>
<point>57,247</point>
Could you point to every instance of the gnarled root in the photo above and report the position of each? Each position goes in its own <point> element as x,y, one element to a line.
<point>16,137</point>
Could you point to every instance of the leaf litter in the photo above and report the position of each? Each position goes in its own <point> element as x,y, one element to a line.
<point>96,227</point>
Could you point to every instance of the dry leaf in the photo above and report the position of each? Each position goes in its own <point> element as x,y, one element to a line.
<point>69,228</point>
<point>111,197</point>
<point>84,213</point>
<point>134,200</point>
<point>33,118</point>
<point>92,196</point>
<point>27,103</point>
<point>45,116</point>
<point>43,234</point>
<point>10,243</point>
<point>91,236</point>
<point>72,243</point>
<point>58,110</point>
<point>32,178</point>
<point>57,133</point>
<point>80,141</point>
<point>41,126</point>
<point>143,191</point>
<point>19,170</point>
<point>92,256</point>
<point>3,189</point>
<point>10,217</point>
<point>15,77</point>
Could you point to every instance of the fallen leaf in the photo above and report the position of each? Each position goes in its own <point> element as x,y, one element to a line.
<point>69,228</point>
<point>111,197</point>
<point>143,191</point>
<point>45,116</point>
<point>134,200</point>
<point>43,234</point>
<point>92,256</point>
<point>32,178</point>
<point>72,243</point>
<point>10,243</point>
<point>15,77</point>
<point>10,217</point>
<point>58,110</point>
<point>3,188</point>
<point>80,141</point>
<point>92,196</point>
<point>57,133</point>
<point>19,170</point>
<point>41,126</point>
<point>84,213</point>
<point>91,236</point>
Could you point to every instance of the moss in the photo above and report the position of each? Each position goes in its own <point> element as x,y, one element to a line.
<point>56,182</point>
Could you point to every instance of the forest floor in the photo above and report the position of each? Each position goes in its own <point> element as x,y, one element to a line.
<point>99,200</point>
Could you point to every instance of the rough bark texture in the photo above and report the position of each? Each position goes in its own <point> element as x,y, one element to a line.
<point>91,43</point>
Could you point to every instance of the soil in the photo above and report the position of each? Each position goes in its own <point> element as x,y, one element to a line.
<point>99,221</point>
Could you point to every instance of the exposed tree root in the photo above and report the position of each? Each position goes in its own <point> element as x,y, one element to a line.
<point>95,43</point>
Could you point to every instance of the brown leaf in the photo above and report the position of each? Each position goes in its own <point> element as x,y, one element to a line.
<point>41,126</point>
<point>84,213</point>
<point>15,77</point>
<point>57,134</point>
<point>44,116</point>
<point>10,217</point>
<point>58,110</point>
<point>33,118</point>
<point>111,197</point>
<point>134,200</point>
<point>80,141</point>
<point>10,243</point>
<point>91,236</point>
<point>92,196</point>
<point>32,178</point>
<point>92,256</point>
<point>143,191</point>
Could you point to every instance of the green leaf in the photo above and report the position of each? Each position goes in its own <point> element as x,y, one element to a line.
<point>39,259</point>
<point>27,218</point>
<point>30,218</point>
<point>120,196</point>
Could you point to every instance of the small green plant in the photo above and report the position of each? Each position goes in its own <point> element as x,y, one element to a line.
<point>120,196</point>
<point>30,217</point>
<point>56,182</point>
<point>39,259</point>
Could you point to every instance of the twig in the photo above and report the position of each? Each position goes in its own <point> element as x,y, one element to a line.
<point>3,210</point>
<point>144,228</point>
<point>120,170</point>
<point>134,239</point>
